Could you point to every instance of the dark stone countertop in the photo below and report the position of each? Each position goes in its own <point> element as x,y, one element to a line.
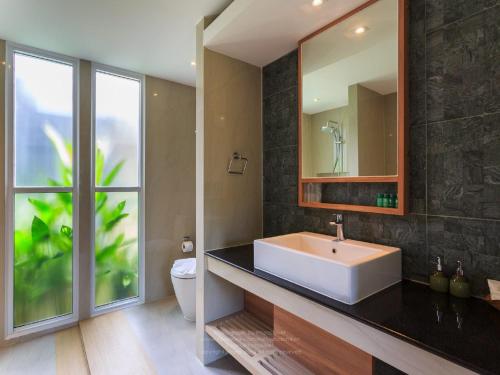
<point>468,332</point>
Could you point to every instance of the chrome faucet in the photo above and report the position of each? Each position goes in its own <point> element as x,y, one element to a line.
<point>338,221</point>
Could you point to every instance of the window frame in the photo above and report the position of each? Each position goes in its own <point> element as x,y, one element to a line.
<point>11,190</point>
<point>139,189</point>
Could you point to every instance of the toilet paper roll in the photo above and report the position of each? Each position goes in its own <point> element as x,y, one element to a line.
<point>187,246</point>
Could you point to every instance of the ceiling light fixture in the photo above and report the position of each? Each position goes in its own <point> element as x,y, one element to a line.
<point>316,100</point>
<point>193,63</point>
<point>317,3</point>
<point>360,30</point>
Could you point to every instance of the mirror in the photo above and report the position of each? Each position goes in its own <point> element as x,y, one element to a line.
<point>353,109</point>
<point>349,102</point>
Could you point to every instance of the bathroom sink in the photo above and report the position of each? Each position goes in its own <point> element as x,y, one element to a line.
<point>347,271</point>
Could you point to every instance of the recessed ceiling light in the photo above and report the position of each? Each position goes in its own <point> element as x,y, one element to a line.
<point>360,30</point>
<point>316,100</point>
<point>317,3</point>
<point>155,94</point>
<point>193,63</point>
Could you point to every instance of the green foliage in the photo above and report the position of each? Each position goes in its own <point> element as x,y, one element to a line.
<point>43,267</point>
<point>116,264</point>
<point>43,258</point>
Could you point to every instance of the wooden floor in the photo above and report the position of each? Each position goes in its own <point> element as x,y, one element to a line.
<point>147,339</point>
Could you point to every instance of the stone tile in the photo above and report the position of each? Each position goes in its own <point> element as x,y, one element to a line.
<point>360,193</point>
<point>280,120</point>
<point>454,74</point>
<point>464,235</point>
<point>464,167</point>
<point>281,175</point>
<point>462,68</point>
<point>474,242</point>
<point>317,220</point>
<point>407,233</point>
<point>417,83</point>
<point>418,174</point>
<point>335,193</point>
<point>280,75</point>
<point>443,12</point>
<point>484,267</point>
<point>282,218</point>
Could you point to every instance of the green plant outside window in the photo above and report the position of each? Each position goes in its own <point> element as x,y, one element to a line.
<point>43,244</point>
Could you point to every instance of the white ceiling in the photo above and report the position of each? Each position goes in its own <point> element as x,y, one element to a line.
<point>154,37</point>
<point>260,31</point>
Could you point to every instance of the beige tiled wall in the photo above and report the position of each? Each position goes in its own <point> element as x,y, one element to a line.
<point>170,179</point>
<point>232,102</point>
<point>229,207</point>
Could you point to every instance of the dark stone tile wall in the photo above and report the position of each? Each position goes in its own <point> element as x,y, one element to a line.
<point>364,194</point>
<point>454,140</point>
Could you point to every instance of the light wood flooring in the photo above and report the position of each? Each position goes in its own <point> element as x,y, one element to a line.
<point>149,339</point>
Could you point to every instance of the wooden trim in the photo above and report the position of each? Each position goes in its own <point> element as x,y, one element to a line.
<point>403,104</point>
<point>374,179</point>
<point>260,308</point>
<point>317,349</point>
<point>353,207</point>
<point>337,21</point>
<point>299,148</point>
<point>403,140</point>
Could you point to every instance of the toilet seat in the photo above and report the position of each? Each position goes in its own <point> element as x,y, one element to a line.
<point>184,268</point>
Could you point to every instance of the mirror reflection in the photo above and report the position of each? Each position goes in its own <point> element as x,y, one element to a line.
<point>349,96</point>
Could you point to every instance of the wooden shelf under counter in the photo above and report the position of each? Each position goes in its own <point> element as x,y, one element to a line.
<point>266,339</point>
<point>250,341</point>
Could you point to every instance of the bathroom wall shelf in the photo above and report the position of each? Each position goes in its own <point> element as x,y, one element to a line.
<point>351,207</point>
<point>250,341</point>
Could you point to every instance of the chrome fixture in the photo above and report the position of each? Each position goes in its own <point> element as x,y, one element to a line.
<point>335,129</point>
<point>237,164</point>
<point>338,221</point>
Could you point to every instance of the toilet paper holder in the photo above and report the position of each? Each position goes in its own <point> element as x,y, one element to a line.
<point>187,245</point>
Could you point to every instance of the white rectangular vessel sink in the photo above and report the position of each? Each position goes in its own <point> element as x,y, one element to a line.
<point>347,271</point>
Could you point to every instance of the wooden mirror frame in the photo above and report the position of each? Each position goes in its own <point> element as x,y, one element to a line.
<point>401,179</point>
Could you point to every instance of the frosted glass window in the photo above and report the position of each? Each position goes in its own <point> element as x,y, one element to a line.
<point>43,257</point>
<point>118,187</point>
<point>118,119</point>
<point>43,121</point>
<point>116,247</point>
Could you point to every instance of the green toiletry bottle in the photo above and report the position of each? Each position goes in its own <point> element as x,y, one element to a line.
<point>391,200</point>
<point>386,200</point>
<point>380,200</point>
<point>395,201</point>
<point>459,286</point>
<point>438,281</point>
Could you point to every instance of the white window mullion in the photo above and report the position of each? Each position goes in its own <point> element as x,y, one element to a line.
<point>50,189</point>
<point>118,189</point>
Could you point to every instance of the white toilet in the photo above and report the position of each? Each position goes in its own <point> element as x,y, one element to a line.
<point>183,275</point>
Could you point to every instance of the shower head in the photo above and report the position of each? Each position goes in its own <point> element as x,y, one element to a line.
<point>330,126</point>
